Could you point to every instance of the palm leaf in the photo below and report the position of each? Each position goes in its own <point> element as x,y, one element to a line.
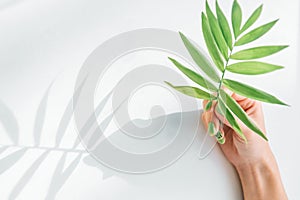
<point>255,34</point>
<point>236,18</point>
<point>251,92</point>
<point>228,115</point>
<point>252,68</point>
<point>240,113</point>
<point>200,59</point>
<point>211,45</point>
<point>216,31</point>
<point>197,78</point>
<point>253,18</point>
<point>223,23</point>
<point>257,52</point>
<point>191,91</point>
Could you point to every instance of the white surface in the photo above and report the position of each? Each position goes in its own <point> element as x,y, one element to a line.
<point>46,40</point>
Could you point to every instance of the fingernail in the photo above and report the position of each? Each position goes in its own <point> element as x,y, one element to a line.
<point>211,129</point>
<point>208,106</point>
<point>220,137</point>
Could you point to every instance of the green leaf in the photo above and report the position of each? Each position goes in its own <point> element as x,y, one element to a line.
<point>236,18</point>
<point>252,68</point>
<point>253,18</point>
<point>223,23</point>
<point>197,78</point>
<point>251,92</point>
<point>208,105</point>
<point>216,31</point>
<point>200,59</point>
<point>255,34</point>
<point>257,52</point>
<point>191,91</point>
<point>240,113</point>
<point>230,118</point>
<point>211,45</point>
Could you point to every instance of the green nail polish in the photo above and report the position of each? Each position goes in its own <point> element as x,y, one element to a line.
<point>208,106</point>
<point>211,128</point>
<point>221,141</point>
<point>220,137</point>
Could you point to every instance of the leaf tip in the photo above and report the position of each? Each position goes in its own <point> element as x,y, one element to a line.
<point>170,84</point>
<point>166,82</point>
<point>171,59</point>
<point>275,21</point>
<point>264,137</point>
<point>285,46</point>
<point>218,5</point>
<point>181,35</point>
<point>287,105</point>
<point>206,4</point>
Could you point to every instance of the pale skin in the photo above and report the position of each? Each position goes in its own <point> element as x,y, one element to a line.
<point>254,161</point>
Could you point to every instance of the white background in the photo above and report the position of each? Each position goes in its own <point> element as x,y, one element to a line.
<point>45,40</point>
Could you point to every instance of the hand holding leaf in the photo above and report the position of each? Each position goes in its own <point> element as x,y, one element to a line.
<point>221,40</point>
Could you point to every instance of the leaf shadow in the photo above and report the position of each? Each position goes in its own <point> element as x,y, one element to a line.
<point>61,173</point>
<point>40,117</point>
<point>27,175</point>
<point>11,159</point>
<point>9,122</point>
<point>201,144</point>
<point>60,176</point>
<point>67,115</point>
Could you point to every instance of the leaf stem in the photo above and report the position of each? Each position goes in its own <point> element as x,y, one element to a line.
<point>223,74</point>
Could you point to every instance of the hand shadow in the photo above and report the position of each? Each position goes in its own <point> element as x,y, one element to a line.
<point>197,177</point>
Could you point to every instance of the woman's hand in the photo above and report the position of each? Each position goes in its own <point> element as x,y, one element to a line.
<point>254,160</point>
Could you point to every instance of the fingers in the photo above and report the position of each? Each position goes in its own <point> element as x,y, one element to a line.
<point>227,91</point>
<point>248,105</point>
<point>210,122</point>
<point>204,103</point>
<point>213,124</point>
<point>220,136</point>
<point>244,102</point>
<point>222,118</point>
<point>227,126</point>
<point>238,97</point>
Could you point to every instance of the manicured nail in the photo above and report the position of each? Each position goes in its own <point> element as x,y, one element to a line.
<point>211,129</point>
<point>208,106</point>
<point>220,137</point>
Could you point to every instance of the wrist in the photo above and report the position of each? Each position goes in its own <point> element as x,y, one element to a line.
<point>255,169</point>
<point>261,178</point>
<point>265,165</point>
<point>261,159</point>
